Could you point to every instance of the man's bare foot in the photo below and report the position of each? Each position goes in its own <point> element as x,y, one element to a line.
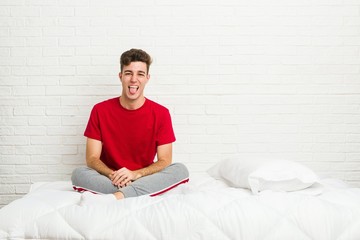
<point>119,195</point>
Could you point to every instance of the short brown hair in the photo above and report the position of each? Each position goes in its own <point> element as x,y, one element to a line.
<point>135,55</point>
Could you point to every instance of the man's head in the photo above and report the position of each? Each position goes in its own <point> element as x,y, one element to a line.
<point>135,55</point>
<point>134,76</point>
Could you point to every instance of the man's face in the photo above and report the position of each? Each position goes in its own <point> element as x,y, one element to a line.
<point>134,78</point>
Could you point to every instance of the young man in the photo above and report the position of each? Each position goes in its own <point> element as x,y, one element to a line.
<point>124,134</point>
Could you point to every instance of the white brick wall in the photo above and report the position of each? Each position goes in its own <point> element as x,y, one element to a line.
<point>264,78</point>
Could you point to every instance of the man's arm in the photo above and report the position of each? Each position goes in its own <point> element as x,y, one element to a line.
<point>164,159</point>
<point>124,176</point>
<point>93,153</point>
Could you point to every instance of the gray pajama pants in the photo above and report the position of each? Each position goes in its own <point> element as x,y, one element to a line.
<point>85,178</point>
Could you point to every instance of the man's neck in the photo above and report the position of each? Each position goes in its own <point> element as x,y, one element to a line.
<point>132,104</point>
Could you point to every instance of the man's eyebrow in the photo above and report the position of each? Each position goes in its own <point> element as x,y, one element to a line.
<point>130,71</point>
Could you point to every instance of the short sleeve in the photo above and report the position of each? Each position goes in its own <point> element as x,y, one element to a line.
<point>93,127</point>
<point>165,133</point>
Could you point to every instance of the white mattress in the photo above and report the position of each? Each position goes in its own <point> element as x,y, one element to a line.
<point>204,208</point>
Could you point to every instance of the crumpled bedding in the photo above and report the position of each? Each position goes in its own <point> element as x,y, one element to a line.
<point>204,208</point>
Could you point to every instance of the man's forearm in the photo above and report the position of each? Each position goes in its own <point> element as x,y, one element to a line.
<point>93,153</point>
<point>99,166</point>
<point>164,159</point>
<point>153,168</point>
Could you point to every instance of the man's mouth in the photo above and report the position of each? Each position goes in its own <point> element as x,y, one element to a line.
<point>133,89</point>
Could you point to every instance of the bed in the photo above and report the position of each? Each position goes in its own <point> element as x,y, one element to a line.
<point>213,205</point>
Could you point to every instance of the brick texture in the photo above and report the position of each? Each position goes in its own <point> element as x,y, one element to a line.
<point>244,79</point>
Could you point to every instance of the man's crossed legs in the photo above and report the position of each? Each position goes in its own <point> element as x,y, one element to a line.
<point>87,179</point>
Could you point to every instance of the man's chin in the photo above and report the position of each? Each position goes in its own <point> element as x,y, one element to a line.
<point>133,97</point>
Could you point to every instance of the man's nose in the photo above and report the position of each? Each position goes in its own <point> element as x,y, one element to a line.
<point>133,78</point>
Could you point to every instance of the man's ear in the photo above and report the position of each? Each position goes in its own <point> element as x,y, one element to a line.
<point>120,76</point>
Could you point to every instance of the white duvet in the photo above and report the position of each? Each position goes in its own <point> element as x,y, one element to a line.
<point>204,208</point>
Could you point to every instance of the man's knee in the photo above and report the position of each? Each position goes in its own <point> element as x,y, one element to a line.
<point>180,170</point>
<point>77,175</point>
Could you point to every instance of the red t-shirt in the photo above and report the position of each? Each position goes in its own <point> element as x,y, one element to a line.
<point>129,137</point>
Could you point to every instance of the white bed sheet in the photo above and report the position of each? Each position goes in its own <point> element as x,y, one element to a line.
<point>204,208</point>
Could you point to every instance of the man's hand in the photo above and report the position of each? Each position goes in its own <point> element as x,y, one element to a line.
<point>123,177</point>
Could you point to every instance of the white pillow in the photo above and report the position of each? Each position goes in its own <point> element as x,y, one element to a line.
<point>260,175</point>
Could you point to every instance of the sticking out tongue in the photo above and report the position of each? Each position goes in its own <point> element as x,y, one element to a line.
<point>133,89</point>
